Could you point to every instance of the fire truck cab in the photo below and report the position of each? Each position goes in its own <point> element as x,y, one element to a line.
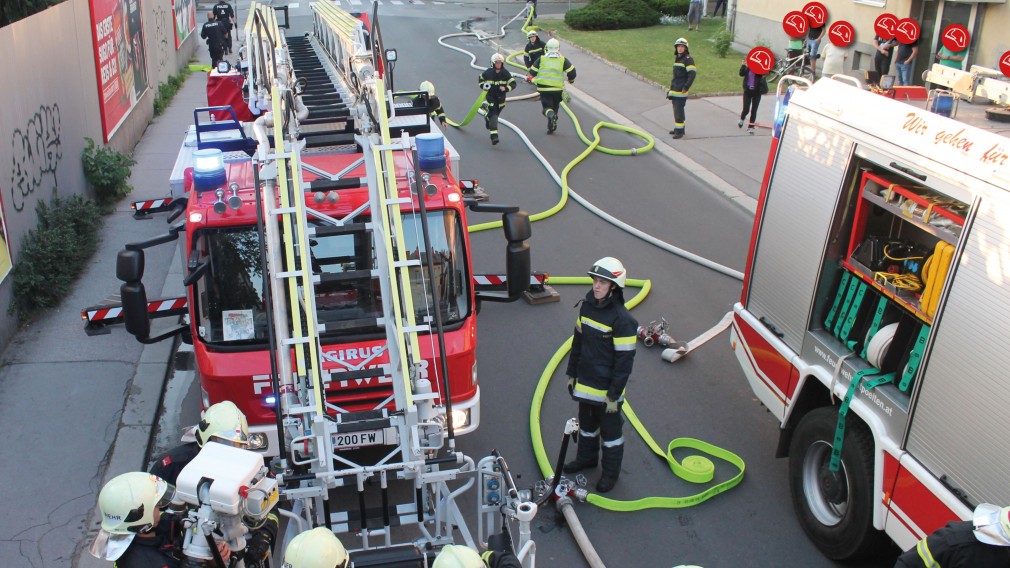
<point>873,318</point>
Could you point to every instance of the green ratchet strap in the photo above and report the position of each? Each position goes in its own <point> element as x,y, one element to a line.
<point>696,469</point>
<point>850,318</point>
<point>875,325</point>
<point>828,321</point>
<point>843,410</point>
<point>914,358</point>
<point>849,293</point>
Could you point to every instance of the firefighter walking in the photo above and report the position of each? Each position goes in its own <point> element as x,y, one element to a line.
<point>683,77</point>
<point>549,74</point>
<point>496,82</point>
<point>603,352</point>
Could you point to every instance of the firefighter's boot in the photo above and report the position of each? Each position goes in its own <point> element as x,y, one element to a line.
<point>612,457</point>
<point>552,120</point>
<point>588,454</point>
<point>494,138</point>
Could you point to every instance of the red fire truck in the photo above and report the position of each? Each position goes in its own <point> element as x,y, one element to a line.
<point>231,282</point>
<point>872,322</point>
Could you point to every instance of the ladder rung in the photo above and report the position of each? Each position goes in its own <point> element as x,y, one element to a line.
<point>283,210</point>
<point>406,263</point>
<point>398,200</point>
<point>297,340</point>
<point>289,274</point>
<point>417,329</point>
<point>356,374</point>
<point>346,228</point>
<point>345,276</point>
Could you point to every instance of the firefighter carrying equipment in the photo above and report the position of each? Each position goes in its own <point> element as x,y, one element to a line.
<point>127,503</point>
<point>316,548</point>
<point>694,468</point>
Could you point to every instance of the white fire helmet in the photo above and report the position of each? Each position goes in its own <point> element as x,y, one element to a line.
<point>553,46</point>
<point>223,422</point>
<point>456,556</point>
<point>427,87</point>
<point>317,548</point>
<point>609,268</point>
<point>992,524</point>
<point>128,503</point>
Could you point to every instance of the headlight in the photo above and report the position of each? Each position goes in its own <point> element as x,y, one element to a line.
<point>460,418</point>
<point>258,441</point>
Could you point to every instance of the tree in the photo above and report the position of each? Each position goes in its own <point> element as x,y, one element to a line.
<point>14,10</point>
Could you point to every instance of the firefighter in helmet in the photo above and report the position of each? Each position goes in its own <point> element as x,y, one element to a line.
<point>456,556</point>
<point>316,548</point>
<point>496,81</point>
<point>434,106</point>
<point>221,423</point>
<point>132,534</point>
<point>603,352</point>
<point>684,72</point>
<point>982,542</point>
<point>534,49</point>
<point>549,74</point>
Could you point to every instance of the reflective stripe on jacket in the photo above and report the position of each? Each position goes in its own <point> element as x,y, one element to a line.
<point>497,79</point>
<point>603,349</point>
<point>683,75</point>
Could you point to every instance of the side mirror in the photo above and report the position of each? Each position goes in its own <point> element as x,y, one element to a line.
<point>134,298</point>
<point>130,266</point>
<point>518,229</point>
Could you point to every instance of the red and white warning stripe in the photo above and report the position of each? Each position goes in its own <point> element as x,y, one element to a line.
<point>114,311</point>
<point>166,305</point>
<point>536,279</point>
<point>104,314</point>
<point>151,204</point>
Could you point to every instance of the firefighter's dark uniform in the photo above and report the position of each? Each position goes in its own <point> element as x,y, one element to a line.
<point>260,541</point>
<point>603,352</point>
<point>497,83</point>
<point>213,32</point>
<point>434,107</point>
<point>161,551</point>
<point>225,14</point>
<point>549,74</point>
<point>533,51</point>
<point>683,76</point>
<point>954,546</point>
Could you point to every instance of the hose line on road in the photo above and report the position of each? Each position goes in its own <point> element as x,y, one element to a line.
<point>694,468</point>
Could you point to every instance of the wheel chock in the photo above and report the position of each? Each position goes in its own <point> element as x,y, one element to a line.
<point>544,294</point>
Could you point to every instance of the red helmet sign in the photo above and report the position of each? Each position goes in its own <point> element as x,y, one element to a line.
<point>760,60</point>
<point>884,26</point>
<point>795,24</point>
<point>956,38</point>
<point>841,33</point>
<point>907,31</point>
<point>816,13</point>
<point>1004,64</point>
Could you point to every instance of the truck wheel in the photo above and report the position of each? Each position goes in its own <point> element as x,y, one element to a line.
<point>835,510</point>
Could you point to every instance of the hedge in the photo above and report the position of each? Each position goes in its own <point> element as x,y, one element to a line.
<point>613,15</point>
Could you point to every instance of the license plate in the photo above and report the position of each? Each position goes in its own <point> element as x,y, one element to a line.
<point>358,439</point>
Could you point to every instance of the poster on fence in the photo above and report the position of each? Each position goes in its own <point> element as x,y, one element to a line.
<point>185,19</point>
<point>120,61</point>
<point>5,248</point>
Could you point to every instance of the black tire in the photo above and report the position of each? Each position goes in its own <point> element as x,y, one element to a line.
<point>842,530</point>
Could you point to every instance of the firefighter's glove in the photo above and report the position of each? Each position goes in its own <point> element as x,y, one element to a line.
<point>571,385</point>
<point>612,406</point>
<point>529,78</point>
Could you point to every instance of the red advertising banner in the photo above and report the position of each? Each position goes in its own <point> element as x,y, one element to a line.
<point>185,19</point>
<point>120,61</point>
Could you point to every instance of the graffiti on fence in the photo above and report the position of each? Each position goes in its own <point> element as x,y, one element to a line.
<point>36,151</point>
<point>161,23</point>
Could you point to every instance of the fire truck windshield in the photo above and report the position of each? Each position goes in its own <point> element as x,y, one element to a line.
<point>229,306</point>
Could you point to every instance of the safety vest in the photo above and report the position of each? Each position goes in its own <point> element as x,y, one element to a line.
<point>551,74</point>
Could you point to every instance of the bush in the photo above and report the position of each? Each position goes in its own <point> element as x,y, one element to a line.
<point>723,42</point>
<point>612,15</point>
<point>671,8</point>
<point>106,171</point>
<point>53,254</point>
<point>167,91</point>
